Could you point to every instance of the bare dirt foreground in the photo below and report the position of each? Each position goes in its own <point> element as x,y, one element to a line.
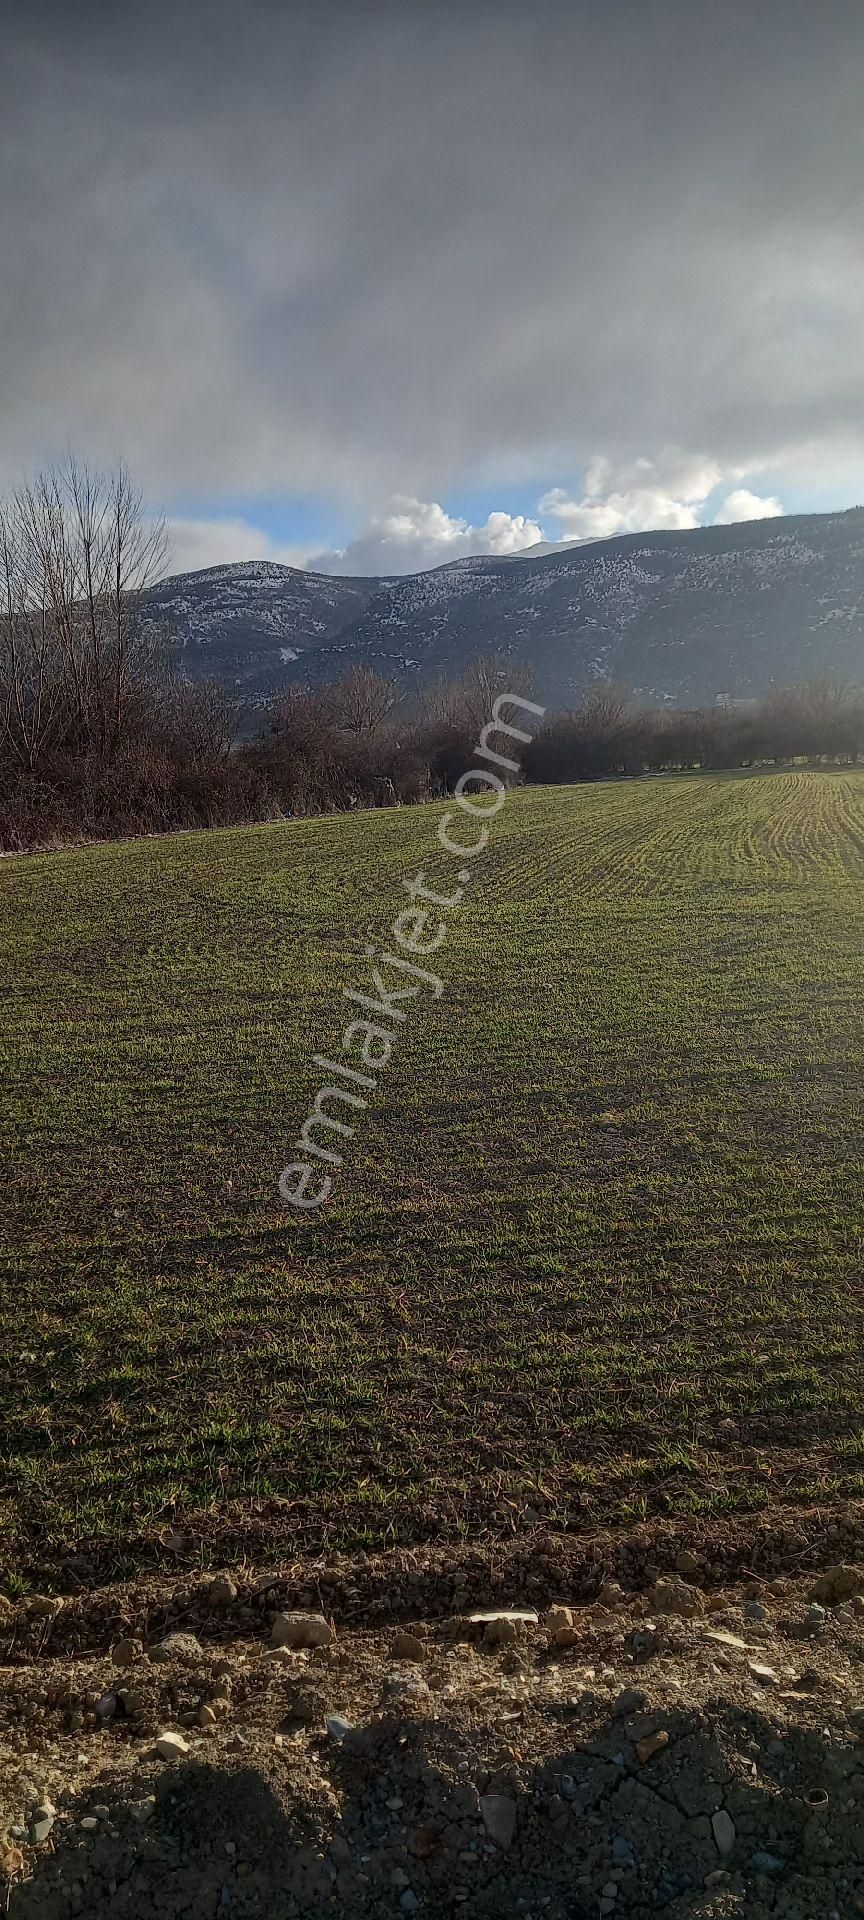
<point>219,1746</point>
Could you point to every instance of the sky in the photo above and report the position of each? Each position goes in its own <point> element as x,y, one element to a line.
<point>367,287</point>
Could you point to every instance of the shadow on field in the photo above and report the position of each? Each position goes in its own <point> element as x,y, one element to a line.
<point>390,1823</point>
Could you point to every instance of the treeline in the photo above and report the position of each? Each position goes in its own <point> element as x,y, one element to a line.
<point>100,739</point>
<point>608,735</point>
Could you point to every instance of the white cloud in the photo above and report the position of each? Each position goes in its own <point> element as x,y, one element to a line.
<point>667,492</point>
<point>214,543</point>
<point>741,504</point>
<point>413,535</point>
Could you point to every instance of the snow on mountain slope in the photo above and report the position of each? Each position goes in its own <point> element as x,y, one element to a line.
<point>677,615</point>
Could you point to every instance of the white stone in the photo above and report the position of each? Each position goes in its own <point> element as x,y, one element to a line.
<point>301,1630</point>
<point>171,1746</point>
<point>483,1618</point>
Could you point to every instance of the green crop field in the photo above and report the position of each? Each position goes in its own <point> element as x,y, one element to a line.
<point>596,1251</point>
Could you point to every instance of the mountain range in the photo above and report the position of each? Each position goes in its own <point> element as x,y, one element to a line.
<point>680,617</point>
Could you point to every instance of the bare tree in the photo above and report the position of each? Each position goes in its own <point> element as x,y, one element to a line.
<point>197,719</point>
<point>30,682</point>
<point>138,552</point>
<point>76,554</point>
<point>361,701</point>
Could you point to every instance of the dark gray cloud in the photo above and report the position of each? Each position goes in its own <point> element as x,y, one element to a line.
<point>376,249</point>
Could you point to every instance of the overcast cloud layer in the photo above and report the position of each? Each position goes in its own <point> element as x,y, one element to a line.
<point>383,254</point>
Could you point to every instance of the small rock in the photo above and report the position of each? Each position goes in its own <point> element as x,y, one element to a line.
<point>177,1646</point>
<point>301,1630</point>
<point>142,1810</point>
<point>41,1822</point>
<point>644,1642</point>
<point>125,1651</point>
<point>724,1832</point>
<point>206,1716</point>
<point>170,1746</point>
<point>838,1583</point>
<point>406,1646</point>
<point>501,1633</point>
<point>89,1823</point>
<point>499,1817</point>
<point>610,1890</point>
<point>672,1595</point>
<point>222,1591</point>
<point>408,1901</point>
<point>689,1564</point>
<point>632,1700</point>
<point>718,1878</point>
<point>338,1728</point>
<point>755,1611</point>
<point>764,1676</point>
<point>106,1706</point>
<point>621,1848</point>
<point>558,1617</point>
<point>652,1743</point>
<point>611,1595</point>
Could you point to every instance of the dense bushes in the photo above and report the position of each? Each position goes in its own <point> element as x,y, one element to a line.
<point>175,764</point>
<point>329,749</point>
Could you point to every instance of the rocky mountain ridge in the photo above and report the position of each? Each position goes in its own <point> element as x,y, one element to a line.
<point>680,616</point>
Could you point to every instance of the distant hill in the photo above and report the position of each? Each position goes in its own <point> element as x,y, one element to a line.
<point>678,616</point>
